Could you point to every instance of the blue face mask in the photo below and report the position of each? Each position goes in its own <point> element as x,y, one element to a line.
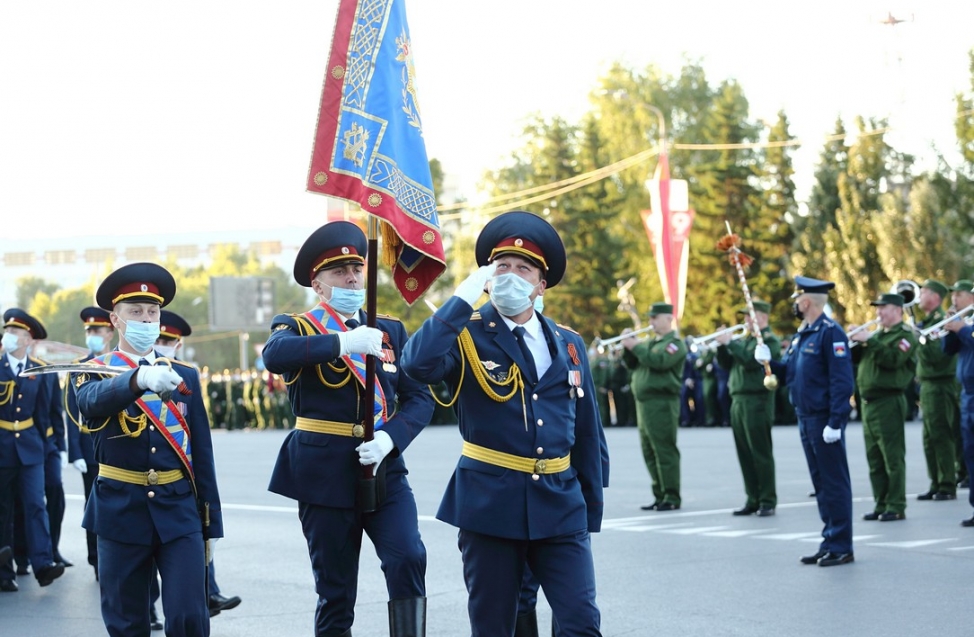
<point>510,294</point>
<point>95,342</point>
<point>539,304</point>
<point>141,336</point>
<point>347,301</point>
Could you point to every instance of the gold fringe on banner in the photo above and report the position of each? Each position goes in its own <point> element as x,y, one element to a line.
<point>390,244</point>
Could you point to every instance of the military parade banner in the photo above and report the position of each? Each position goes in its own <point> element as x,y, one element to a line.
<point>369,146</point>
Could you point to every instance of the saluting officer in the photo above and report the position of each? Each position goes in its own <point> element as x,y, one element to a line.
<point>156,497</point>
<point>321,355</point>
<point>818,370</point>
<point>752,410</point>
<point>886,364</point>
<point>939,399</point>
<point>99,335</point>
<point>528,486</point>
<point>657,377</point>
<point>24,421</point>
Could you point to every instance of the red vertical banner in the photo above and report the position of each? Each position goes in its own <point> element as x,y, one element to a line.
<point>668,226</point>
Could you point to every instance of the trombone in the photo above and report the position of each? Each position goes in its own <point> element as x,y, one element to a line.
<point>614,344</point>
<point>937,330</point>
<point>709,341</point>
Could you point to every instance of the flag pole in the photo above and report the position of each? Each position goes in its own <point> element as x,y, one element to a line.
<point>368,500</point>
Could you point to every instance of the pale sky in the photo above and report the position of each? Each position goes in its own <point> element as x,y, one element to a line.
<point>121,117</point>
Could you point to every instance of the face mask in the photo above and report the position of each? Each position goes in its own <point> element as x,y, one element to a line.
<point>539,304</point>
<point>10,342</point>
<point>797,312</point>
<point>347,301</point>
<point>510,294</point>
<point>141,336</point>
<point>169,351</point>
<point>95,342</point>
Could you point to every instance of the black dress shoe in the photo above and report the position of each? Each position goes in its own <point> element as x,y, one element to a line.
<point>668,506</point>
<point>650,507</point>
<point>765,512</point>
<point>836,559</point>
<point>59,558</point>
<point>967,523</point>
<point>23,570</point>
<point>812,494</point>
<point>871,517</point>
<point>927,495</point>
<point>49,573</point>
<point>219,602</point>
<point>891,516</point>
<point>813,559</point>
<point>939,496</point>
<point>745,510</point>
<point>8,586</point>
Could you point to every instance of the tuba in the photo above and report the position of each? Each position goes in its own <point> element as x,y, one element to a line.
<point>909,290</point>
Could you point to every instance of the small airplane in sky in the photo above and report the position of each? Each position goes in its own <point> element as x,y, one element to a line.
<point>891,20</point>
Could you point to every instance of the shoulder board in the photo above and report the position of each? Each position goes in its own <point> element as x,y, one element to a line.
<point>566,328</point>
<point>827,322</point>
<point>476,316</point>
<point>37,361</point>
<point>183,363</point>
<point>388,317</point>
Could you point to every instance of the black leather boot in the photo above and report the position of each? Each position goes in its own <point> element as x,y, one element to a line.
<point>407,617</point>
<point>526,624</point>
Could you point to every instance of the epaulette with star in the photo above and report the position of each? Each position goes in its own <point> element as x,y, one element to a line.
<point>183,363</point>
<point>828,322</point>
<point>476,316</point>
<point>388,317</point>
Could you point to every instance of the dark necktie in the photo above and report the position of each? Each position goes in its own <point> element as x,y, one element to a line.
<point>20,368</point>
<point>142,361</point>
<point>525,351</point>
<point>352,323</point>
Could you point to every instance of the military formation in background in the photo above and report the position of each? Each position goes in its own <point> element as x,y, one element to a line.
<point>248,399</point>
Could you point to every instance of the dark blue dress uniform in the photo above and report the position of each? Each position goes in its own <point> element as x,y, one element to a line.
<point>147,505</point>
<point>961,343</point>
<point>24,421</point>
<point>528,486</point>
<point>818,369</point>
<point>318,464</point>
<point>80,446</point>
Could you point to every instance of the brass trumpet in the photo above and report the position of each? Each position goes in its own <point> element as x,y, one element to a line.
<point>709,341</point>
<point>909,290</point>
<point>614,344</point>
<point>937,331</point>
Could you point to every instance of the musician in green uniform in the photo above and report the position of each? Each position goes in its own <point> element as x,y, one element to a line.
<point>887,362</point>
<point>602,377</point>
<point>752,410</point>
<point>657,376</point>
<point>939,398</point>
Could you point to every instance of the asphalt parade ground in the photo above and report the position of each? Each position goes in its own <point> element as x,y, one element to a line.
<point>698,571</point>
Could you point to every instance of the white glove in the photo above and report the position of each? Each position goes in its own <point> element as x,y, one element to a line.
<point>762,353</point>
<point>64,459</point>
<point>157,378</point>
<point>473,286</point>
<point>830,435</point>
<point>373,451</point>
<point>81,465</point>
<point>361,340</point>
<point>212,547</point>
